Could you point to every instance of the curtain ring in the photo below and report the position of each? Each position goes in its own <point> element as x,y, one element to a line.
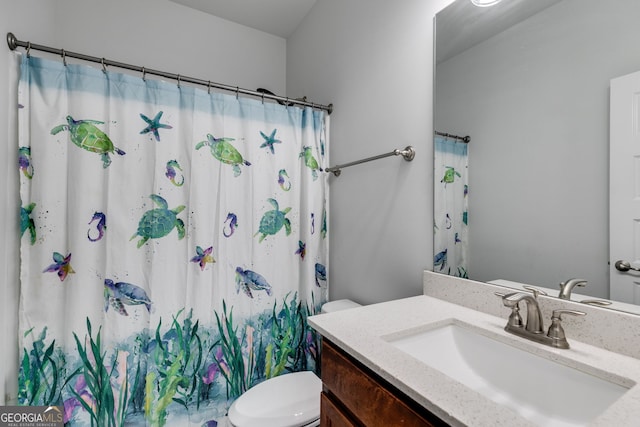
<point>287,104</point>
<point>178,81</point>
<point>104,66</point>
<point>144,74</point>
<point>28,49</point>
<point>209,87</point>
<point>237,91</point>
<point>64,57</point>
<point>262,98</point>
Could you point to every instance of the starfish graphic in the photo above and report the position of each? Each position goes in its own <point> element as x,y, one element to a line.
<point>270,140</point>
<point>154,125</point>
<point>61,266</point>
<point>203,257</point>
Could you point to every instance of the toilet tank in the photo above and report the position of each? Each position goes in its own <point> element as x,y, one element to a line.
<point>341,304</point>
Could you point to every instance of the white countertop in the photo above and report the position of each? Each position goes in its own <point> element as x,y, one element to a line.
<point>360,332</point>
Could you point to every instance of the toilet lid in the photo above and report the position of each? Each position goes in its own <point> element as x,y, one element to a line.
<point>290,400</point>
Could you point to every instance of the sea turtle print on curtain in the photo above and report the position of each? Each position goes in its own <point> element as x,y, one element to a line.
<point>159,279</point>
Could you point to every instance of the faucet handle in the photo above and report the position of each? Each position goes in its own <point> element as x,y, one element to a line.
<point>556,331</point>
<point>513,298</point>
<point>535,290</point>
<point>515,320</point>
<point>558,313</point>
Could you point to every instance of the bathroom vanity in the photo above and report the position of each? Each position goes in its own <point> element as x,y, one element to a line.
<point>353,395</point>
<point>416,362</point>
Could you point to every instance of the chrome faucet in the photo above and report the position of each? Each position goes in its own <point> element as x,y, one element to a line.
<point>533,329</point>
<point>534,316</point>
<point>567,286</point>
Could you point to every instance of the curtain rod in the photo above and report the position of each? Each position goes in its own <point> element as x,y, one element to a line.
<point>465,139</point>
<point>14,43</point>
<point>408,153</point>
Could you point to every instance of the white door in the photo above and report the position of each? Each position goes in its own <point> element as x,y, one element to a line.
<point>624,188</point>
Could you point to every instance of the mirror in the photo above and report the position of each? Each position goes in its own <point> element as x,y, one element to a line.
<point>528,81</point>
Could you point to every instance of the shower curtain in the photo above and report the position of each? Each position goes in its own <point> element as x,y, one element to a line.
<point>450,207</point>
<point>174,242</point>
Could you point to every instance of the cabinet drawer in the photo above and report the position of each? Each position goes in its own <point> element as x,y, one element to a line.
<point>367,397</point>
<point>331,415</point>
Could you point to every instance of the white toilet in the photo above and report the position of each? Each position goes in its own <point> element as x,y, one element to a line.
<point>289,400</point>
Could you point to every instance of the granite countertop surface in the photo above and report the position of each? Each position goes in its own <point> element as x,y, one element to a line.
<point>364,332</point>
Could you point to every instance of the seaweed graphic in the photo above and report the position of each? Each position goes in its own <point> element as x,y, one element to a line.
<point>286,344</point>
<point>164,371</point>
<point>178,362</point>
<point>138,387</point>
<point>231,364</point>
<point>41,373</point>
<point>292,340</point>
<point>107,389</point>
<point>155,407</point>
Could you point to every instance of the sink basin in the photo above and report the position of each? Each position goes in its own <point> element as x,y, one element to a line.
<point>540,390</point>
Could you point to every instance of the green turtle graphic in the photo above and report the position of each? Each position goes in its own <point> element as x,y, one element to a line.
<point>310,161</point>
<point>273,220</point>
<point>86,135</point>
<point>450,175</point>
<point>222,150</point>
<point>159,222</point>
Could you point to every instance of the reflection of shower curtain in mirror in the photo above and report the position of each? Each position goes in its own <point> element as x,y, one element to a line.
<point>450,227</point>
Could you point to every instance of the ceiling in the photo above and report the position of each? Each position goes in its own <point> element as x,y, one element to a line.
<point>277,17</point>
<point>282,17</point>
<point>462,25</point>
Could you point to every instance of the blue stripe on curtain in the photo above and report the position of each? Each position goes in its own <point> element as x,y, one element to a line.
<point>78,77</point>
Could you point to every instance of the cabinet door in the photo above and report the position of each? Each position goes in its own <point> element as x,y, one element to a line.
<point>366,397</point>
<point>331,415</point>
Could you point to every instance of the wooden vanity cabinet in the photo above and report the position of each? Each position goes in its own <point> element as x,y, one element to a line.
<point>354,396</point>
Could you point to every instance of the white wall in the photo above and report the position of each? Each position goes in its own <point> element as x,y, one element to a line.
<point>164,35</point>
<point>535,100</point>
<point>155,34</point>
<point>373,60</point>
